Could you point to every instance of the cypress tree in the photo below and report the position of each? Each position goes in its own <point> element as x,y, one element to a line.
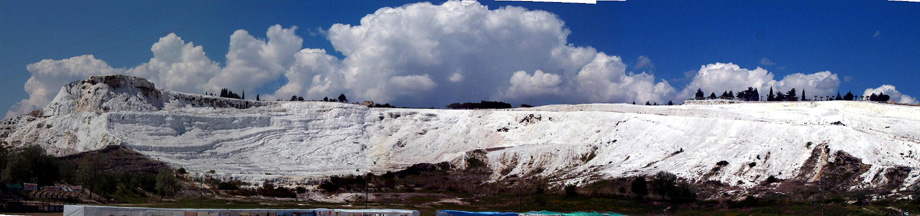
<point>770,96</point>
<point>790,95</point>
<point>699,94</point>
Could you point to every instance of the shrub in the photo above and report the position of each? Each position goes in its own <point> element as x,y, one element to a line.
<point>269,189</point>
<point>639,186</point>
<point>167,184</point>
<point>227,186</point>
<point>665,184</point>
<point>480,105</point>
<point>772,179</point>
<point>473,162</point>
<point>329,187</point>
<point>571,191</point>
<point>722,163</point>
<point>916,195</point>
<point>861,196</point>
<point>347,183</point>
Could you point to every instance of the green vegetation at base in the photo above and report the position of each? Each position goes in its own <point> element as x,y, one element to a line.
<point>103,179</point>
<point>562,203</point>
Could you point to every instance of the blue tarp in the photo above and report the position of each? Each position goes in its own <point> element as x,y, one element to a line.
<point>467,213</point>
<point>13,186</point>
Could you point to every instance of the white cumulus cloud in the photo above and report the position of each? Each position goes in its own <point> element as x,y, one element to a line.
<point>252,62</point>
<point>419,54</point>
<point>816,84</point>
<point>313,74</point>
<point>605,80</point>
<point>49,75</point>
<point>720,77</point>
<point>422,54</point>
<point>456,42</point>
<point>524,85</point>
<point>177,65</point>
<point>890,90</point>
<point>409,84</point>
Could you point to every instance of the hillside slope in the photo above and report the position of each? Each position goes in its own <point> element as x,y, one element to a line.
<point>296,141</point>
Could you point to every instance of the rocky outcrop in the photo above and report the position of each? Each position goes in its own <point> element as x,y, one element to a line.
<point>106,94</point>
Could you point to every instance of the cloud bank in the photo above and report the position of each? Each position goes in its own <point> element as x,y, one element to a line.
<point>419,55</point>
<point>719,77</point>
<point>890,90</point>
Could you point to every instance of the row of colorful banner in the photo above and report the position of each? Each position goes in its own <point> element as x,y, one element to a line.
<point>66,188</point>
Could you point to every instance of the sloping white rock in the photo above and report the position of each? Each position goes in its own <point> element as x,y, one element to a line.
<point>296,141</point>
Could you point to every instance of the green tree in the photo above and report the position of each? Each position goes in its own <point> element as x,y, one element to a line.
<point>167,184</point>
<point>4,153</point>
<point>849,96</point>
<point>571,190</point>
<point>87,171</point>
<point>67,172</point>
<point>31,164</point>
<point>639,186</point>
<point>342,98</point>
<point>771,96</point>
<point>664,183</point>
<point>699,94</point>
<point>791,96</point>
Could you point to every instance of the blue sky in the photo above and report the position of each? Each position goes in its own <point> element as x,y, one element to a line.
<point>864,43</point>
